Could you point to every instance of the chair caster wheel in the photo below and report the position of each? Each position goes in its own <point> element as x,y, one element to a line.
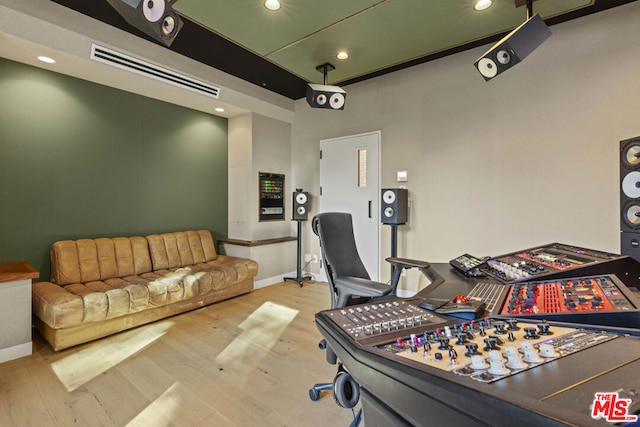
<point>314,394</point>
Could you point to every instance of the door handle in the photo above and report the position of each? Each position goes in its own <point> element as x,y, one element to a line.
<point>369,208</point>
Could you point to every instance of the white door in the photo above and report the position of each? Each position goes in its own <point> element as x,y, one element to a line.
<point>350,182</point>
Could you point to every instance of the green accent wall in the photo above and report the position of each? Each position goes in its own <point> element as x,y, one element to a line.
<point>82,160</point>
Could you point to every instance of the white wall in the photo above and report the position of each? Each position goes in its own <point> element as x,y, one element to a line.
<point>528,158</point>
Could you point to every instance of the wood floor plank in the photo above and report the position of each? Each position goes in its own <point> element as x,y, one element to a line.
<point>247,361</point>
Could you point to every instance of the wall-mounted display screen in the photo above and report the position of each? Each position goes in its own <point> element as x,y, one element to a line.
<point>271,187</point>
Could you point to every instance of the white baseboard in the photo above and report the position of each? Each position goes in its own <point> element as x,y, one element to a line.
<point>15,352</point>
<point>257,284</point>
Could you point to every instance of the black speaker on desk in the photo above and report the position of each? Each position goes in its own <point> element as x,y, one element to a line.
<point>155,18</point>
<point>395,206</point>
<point>300,205</point>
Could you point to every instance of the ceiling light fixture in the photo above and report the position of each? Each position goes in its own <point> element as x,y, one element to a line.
<point>272,4</point>
<point>47,59</point>
<point>482,4</point>
<point>342,55</point>
<point>220,109</point>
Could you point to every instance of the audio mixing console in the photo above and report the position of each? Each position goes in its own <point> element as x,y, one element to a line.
<point>491,371</point>
<point>552,260</point>
<point>489,350</point>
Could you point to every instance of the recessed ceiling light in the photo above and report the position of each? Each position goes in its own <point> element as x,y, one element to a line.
<point>342,55</point>
<point>482,4</point>
<point>272,4</point>
<point>220,110</point>
<point>46,59</point>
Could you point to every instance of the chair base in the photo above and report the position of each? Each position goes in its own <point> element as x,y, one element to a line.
<point>316,390</point>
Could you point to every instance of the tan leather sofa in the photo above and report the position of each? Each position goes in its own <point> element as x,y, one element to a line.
<point>102,286</point>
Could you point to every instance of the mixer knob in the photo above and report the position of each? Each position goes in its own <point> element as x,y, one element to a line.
<point>511,337</point>
<point>453,355</point>
<point>530,334</point>
<point>490,344</point>
<point>482,332</point>
<point>513,324</point>
<point>462,339</point>
<point>547,350</point>
<point>500,327</point>
<point>595,304</point>
<point>532,356</point>
<point>515,361</point>
<point>478,363</point>
<point>472,348</point>
<point>444,344</point>
<point>497,367</point>
<point>544,329</point>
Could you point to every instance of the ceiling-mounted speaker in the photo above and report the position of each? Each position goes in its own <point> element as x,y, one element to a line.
<point>325,96</point>
<point>155,18</point>
<point>513,48</point>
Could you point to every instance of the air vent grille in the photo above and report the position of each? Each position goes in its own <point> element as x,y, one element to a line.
<point>138,66</point>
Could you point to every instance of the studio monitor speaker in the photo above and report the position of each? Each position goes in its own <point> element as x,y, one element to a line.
<point>324,96</point>
<point>630,185</point>
<point>395,206</point>
<point>300,205</point>
<point>513,48</point>
<point>155,18</point>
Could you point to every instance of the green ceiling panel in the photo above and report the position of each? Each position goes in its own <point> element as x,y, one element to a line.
<point>377,33</point>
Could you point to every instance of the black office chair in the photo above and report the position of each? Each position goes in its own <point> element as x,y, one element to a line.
<point>349,283</point>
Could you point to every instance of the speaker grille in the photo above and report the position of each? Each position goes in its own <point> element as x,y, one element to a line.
<point>138,66</point>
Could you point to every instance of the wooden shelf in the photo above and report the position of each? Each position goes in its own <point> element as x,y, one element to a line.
<point>17,270</point>
<point>251,243</point>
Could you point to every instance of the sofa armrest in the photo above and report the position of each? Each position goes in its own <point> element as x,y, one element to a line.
<point>55,306</point>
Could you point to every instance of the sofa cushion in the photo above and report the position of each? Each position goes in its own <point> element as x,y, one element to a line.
<point>87,260</point>
<point>173,250</point>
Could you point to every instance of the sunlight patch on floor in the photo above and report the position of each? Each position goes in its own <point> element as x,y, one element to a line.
<point>176,406</point>
<point>82,366</point>
<point>261,331</point>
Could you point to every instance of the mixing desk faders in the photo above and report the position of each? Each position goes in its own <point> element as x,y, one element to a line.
<point>373,321</point>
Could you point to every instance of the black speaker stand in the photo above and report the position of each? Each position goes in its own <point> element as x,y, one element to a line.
<point>299,277</point>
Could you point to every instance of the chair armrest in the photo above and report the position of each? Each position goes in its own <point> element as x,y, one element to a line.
<point>407,263</point>
<point>361,287</point>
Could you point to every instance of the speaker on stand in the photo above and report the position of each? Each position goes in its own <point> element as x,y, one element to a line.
<point>300,214</point>
<point>395,207</point>
<point>630,198</point>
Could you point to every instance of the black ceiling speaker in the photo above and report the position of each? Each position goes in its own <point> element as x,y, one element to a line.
<point>513,48</point>
<point>324,96</point>
<point>155,18</point>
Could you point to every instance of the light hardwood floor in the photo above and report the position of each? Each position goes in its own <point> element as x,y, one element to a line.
<point>248,361</point>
